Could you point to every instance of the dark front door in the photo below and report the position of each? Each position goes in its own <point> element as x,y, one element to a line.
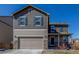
<point>52,41</point>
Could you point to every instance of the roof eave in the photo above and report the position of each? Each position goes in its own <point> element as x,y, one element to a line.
<point>27,7</point>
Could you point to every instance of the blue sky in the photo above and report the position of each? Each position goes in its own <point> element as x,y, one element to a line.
<point>68,13</point>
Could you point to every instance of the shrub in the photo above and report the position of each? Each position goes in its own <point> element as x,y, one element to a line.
<point>77,45</point>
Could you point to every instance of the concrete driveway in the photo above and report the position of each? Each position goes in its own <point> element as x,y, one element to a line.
<point>22,51</point>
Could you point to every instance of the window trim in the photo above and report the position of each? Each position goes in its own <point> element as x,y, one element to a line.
<point>41,21</point>
<point>60,29</point>
<point>52,28</point>
<point>25,21</point>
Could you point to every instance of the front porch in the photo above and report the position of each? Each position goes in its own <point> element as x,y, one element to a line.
<point>58,41</point>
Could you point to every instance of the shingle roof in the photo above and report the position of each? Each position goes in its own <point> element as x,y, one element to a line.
<point>59,24</point>
<point>30,6</point>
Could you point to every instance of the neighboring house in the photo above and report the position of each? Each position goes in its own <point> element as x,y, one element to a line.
<point>30,29</point>
<point>6,33</point>
<point>75,40</point>
<point>75,43</point>
<point>58,35</point>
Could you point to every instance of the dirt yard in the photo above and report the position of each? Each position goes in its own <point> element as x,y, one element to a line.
<point>35,51</point>
<point>61,52</point>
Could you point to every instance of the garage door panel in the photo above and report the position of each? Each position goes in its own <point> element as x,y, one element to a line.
<point>31,43</point>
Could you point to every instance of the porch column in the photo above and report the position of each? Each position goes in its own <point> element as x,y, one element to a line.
<point>58,39</point>
<point>69,39</point>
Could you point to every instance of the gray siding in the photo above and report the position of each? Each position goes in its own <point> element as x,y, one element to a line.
<point>30,17</point>
<point>6,30</point>
<point>8,20</point>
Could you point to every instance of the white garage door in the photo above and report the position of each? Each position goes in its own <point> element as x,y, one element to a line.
<point>31,43</point>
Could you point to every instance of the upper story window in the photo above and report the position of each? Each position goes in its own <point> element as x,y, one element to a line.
<point>53,28</point>
<point>38,20</point>
<point>60,29</point>
<point>22,21</point>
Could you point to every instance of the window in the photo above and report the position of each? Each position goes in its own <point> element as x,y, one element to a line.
<point>52,28</point>
<point>61,29</point>
<point>38,20</point>
<point>65,38</point>
<point>22,21</point>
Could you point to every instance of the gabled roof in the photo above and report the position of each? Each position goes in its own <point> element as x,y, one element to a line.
<point>30,6</point>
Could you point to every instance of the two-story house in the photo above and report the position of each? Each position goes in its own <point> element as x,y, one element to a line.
<point>58,35</point>
<point>30,29</point>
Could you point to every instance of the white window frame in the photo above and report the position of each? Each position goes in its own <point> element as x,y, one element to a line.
<point>25,21</point>
<point>40,20</point>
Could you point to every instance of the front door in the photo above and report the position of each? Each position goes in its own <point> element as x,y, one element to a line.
<point>51,42</point>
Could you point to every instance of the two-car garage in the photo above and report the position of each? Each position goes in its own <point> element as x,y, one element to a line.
<point>30,43</point>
